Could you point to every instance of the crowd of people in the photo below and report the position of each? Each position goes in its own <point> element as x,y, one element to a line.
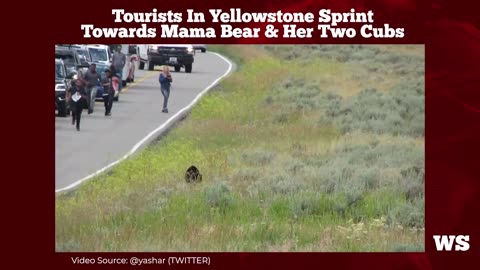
<point>78,95</point>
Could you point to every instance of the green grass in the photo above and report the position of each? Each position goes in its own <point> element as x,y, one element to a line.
<point>284,169</point>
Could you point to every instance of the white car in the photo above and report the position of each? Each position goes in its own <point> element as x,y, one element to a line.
<point>99,53</point>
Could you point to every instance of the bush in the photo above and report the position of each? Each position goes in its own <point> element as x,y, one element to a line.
<point>280,117</point>
<point>285,184</point>
<point>258,157</point>
<point>373,111</point>
<point>407,215</point>
<point>297,94</point>
<point>67,246</point>
<point>246,174</point>
<point>219,196</point>
<point>398,247</point>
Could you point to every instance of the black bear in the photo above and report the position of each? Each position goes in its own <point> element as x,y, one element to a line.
<point>193,175</point>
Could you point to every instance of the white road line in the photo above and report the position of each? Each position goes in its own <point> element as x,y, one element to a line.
<point>151,134</point>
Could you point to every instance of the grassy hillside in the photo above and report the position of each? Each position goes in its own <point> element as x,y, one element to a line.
<point>303,148</point>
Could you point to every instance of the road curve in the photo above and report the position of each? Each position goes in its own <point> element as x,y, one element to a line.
<point>136,120</point>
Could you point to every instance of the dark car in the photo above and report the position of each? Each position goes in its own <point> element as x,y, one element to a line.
<point>76,65</point>
<point>201,47</point>
<point>61,85</point>
<point>73,61</point>
<point>175,55</point>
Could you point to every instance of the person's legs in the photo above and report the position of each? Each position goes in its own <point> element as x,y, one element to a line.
<point>105,102</point>
<point>119,75</point>
<point>92,96</point>
<point>79,113</point>
<point>89,100</point>
<point>165,94</point>
<point>110,103</point>
<point>73,109</point>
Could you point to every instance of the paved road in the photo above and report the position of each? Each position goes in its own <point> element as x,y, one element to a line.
<point>103,140</point>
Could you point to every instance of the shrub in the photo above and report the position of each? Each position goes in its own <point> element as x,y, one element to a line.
<point>219,196</point>
<point>246,174</point>
<point>285,184</point>
<point>407,215</point>
<point>67,246</point>
<point>400,247</point>
<point>280,117</point>
<point>258,157</point>
<point>373,111</point>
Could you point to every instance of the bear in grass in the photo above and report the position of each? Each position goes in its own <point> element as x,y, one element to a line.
<point>192,175</point>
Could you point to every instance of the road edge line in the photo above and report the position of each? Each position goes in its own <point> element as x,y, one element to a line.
<point>170,120</point>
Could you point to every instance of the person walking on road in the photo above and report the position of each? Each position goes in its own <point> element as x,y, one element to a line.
<point>119,60</point>
<point>165,80</point>
<point>76,97</point>
<point>92,79</point>
<point>109,90</point>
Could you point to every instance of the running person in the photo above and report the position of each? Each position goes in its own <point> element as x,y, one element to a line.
<point>76,106</point>
<point>165,80</point>
<point>109,90</point>
<point>92,79</point>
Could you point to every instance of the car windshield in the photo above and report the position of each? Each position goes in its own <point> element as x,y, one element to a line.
<point>59,71</point>
<point>98,54</point>
<point>83,55</point>
<point>67,59</point>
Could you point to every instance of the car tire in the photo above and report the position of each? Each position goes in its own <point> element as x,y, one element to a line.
<point>188,68</point>
<point>204,50</point>
<point>150,65</point>
<point>141,65</point>
<point>177,69</point>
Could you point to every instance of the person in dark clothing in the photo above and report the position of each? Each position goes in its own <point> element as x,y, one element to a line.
<point>165,80</point>
<point>108,90</point>
<point>76,106</point>
<point>119,60</point>
<point>91,79</point>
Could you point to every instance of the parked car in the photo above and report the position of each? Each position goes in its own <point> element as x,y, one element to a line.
<point>84,55</point>
<point>71,59</point>
<point>61,85</point>
<point>201,47</point>
<point>100,53</point>
<point>176,55</point>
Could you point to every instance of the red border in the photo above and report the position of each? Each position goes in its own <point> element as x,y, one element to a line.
<point>450,30</point>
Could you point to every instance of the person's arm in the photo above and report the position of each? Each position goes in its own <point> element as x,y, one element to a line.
<point>83,78</point>
<point>83,93</point>
<point>115,83</point>
<point>68,95</point>
<point>161,78</point>
<point>105,82</point>
<point>124,59</point>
